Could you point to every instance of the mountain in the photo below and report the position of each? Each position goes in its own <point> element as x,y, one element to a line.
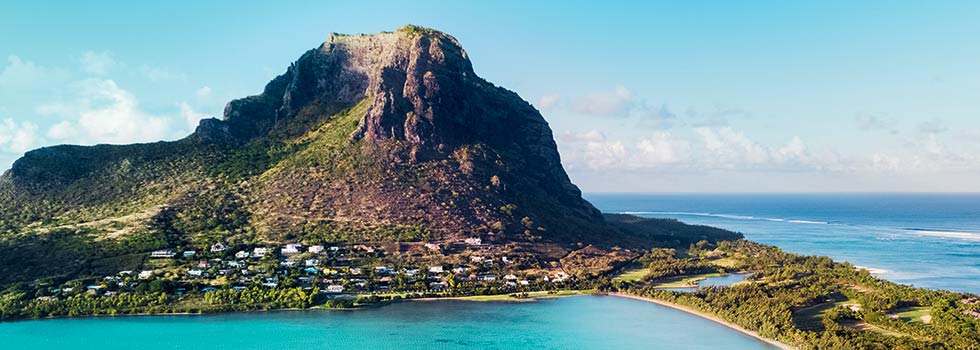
<point>389,137</point>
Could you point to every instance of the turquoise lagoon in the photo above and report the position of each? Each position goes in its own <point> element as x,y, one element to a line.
<point>586,322</point>
<point>726,280</point>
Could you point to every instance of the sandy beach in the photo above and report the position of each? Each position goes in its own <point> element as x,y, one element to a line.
<point>713,318</point>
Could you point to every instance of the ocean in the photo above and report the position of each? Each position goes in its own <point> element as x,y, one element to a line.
<point>925,240</point>
<point>584,322</point>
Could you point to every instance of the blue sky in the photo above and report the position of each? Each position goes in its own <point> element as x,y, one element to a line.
<point>692,96</point>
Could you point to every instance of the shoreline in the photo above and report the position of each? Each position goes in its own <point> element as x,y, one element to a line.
<point>709,317</point>
<point>505,298</point>
<point>499,298</point>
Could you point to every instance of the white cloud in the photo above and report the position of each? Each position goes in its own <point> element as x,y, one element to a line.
<point>935,126</point>
<point>660,149</point>
<point>709,149</point>
<point>203,92</point>
<point>617,102</point>
<point>886,163</point>
<point>98,63</point>
<point>873,122</point>
<point>604,154</point>
<point>23,76</point>
<point>795,149</point>
<point>53,106</point>
<point>654,117</point>
<point>716,115</point>
<point>190,116</point>
<point>588,136</point>
<point>731,148</point>
<point>63,130</point>
<point>592,150</point>
<point>104,113</point>
<point>17,138</point>
<point>548,102</point>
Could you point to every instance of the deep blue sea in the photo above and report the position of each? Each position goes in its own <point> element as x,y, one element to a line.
<point>926,240</point>
<point>584,322</point>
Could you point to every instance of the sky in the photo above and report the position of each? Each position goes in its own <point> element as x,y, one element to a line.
<point>643,96</point>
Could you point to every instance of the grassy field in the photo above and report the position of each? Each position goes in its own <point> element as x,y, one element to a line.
<point>811,318</point>
<point>867,327</point>
<point>724,262</point>
<point>918,314</point>
<point>684,281</point>
<point>632,275</point>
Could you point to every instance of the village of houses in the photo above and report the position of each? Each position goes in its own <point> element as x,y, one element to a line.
<point>335,270</point>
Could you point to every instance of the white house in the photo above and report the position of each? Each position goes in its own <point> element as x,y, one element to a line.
<point>145,274</point>
<point>260,252</point>
<point>560,276</point>
<point>195,273</point>
<point>473,241</point>
<point>241,255</point>
<point>166,253</point>
<point>218,247</point>
<point>365,248</point>
<point>190,253</point>
<point>316,249</point>
<point>334,288</point>
<point>292,249</point>
<point>436,269</point>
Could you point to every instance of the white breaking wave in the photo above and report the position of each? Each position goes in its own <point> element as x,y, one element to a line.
<point>871,270</point>
<point>808,222</point>
<point>972,236</point>
<point>726,216</point>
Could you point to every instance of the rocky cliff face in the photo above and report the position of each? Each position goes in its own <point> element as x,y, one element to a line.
<point>366,133</point>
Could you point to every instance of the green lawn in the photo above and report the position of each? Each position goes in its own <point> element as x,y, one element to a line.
<point>811,318</point>
<point>917,314</point>
<point>632,275</point>
<point>684,281</point>
<point>867,327</point>
<point>724,262</point>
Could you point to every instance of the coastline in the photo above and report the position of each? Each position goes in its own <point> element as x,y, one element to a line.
<point>709,317</point>
<point>500,298</point>
<point>506,298</point>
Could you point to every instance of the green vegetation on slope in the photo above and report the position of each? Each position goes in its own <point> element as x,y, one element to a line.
<point>788,292</point>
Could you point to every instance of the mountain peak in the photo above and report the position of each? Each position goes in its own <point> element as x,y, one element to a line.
<point>408,74</point>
